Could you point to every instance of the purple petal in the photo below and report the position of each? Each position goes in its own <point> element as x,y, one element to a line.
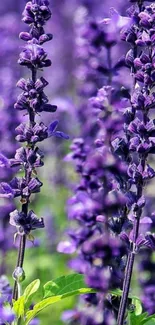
<point>62,135</point>
<point>6,191</point>
<point>52,127</point>
<point>66,247</point>
<point>4,162</point>
<point>145,220</point>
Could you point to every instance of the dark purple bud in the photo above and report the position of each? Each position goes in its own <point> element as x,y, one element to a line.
<point>125,92</point>
<point>21,84</point>
<point>129,58</point>
<point>45,64</point>
<point>25,36</point>
<point>150,240</point>
<point>45,38</point>
<point>34,185</point>
<point>139,76</point>
<point>144,58</point>
<point>140,42</point>
<point>40,84</point>
<point>131,37</point>
<point>134,143</point>
<point>140,204</point>
<point>137,63</point>
<point>49,108</point>
<point>148,172</point>
<point>145,20</point>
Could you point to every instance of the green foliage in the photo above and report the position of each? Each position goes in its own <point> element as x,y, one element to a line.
<point>30,292</point>
<point>142,319</point>
<point>136,317</point>
<point>53,291</point>
<point>65,285</point>
<point>135,300</point>
<point>18,307</point>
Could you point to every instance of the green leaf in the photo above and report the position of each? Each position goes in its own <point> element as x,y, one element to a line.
<point>148,318</point>
<point>56,290</point>
<point>18,307</point>
<point>150,322</point>
<point>64,284</point>
<point>49,301</point>
<point>30,292</point>
<point>138,306</point>
<point>116,292</point>
<point>136,319</point>
<point>135,300</point>
<point>142,319</point>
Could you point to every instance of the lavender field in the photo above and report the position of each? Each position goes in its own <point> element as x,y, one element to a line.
<point>77,166</point>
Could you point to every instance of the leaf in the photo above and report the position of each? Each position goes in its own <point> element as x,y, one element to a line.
<point>136,319</point>
<point>116,292</point>
<point>30,292</point>
<point>49,301</point>
<point>142,319</point>
<point>18,306</point>
<point>56,290</point>
<point>148,318</point>
<point>64,284</point>
<point>138,306</point>
<point>150,322</point>
<point>135,300</point>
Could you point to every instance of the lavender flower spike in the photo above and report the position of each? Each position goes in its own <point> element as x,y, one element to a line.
<point>32,100</point>
<point>139,126</point>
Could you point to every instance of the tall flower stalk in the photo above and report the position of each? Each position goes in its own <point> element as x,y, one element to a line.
<point>139,128</point>
<point>130,144</point>
<point>98,200</point>
<point>29,157</point>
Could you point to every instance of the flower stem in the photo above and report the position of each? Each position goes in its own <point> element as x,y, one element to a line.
<point>130,260</point>
<point>20,261</point>
<point>126,287</point>
<point>22,245</point>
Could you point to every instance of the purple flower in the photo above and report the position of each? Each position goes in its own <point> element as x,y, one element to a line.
<point>6,191</point>
<point>34,55</point>
<point>4,162</point>
<point>52,131</point>
<point>6,313</point>
<point>66,247</point>
<point>36,13</point>
<point>25,223</point>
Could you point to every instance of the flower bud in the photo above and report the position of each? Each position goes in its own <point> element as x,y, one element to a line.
<point>18,274</point>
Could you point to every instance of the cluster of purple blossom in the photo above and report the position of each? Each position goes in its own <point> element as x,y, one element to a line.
<point>112,160</point>
<point>112,156</point>
<point>27,158</point>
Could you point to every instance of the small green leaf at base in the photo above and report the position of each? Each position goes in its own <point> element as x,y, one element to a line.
<point>18,307</point>
<point>30,292</point>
